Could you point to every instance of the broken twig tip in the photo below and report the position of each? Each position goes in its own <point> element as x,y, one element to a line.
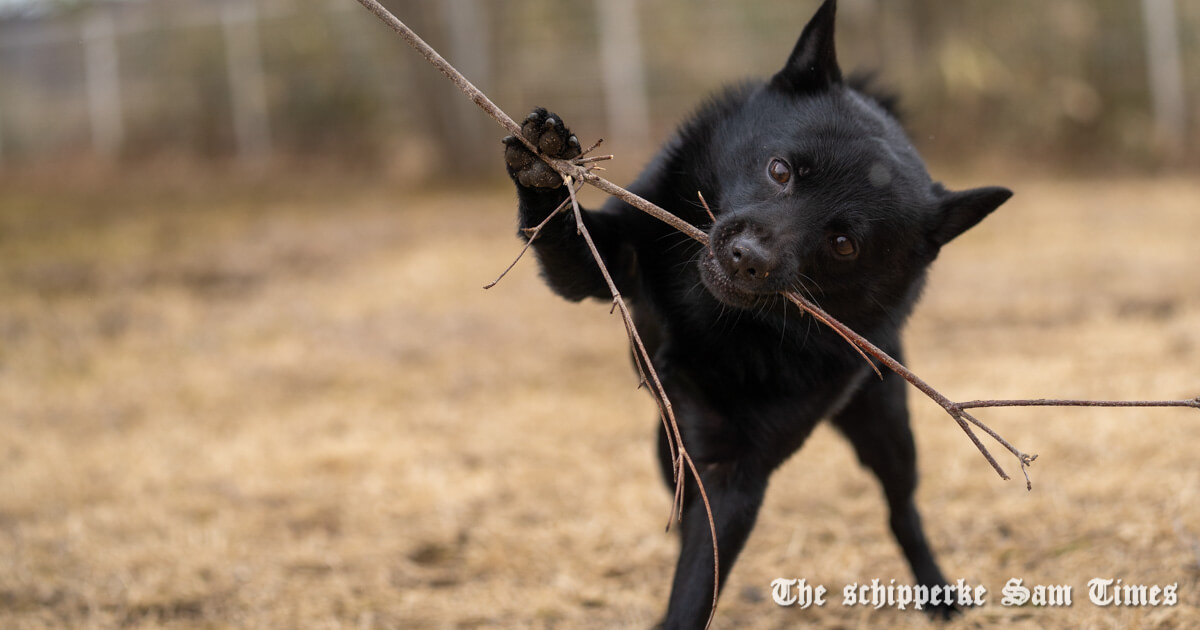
<point>704,203</point>
<point>593,147</point>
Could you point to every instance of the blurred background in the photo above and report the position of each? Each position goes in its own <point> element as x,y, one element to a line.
<point>1085,86</point>
<point>248,378</point>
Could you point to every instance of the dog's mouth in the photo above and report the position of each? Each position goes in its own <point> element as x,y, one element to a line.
<point>722,287</point>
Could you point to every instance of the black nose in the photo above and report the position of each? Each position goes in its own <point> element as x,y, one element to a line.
<point>750,259</point>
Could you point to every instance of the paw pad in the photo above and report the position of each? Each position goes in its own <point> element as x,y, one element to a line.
<point>547,132</point>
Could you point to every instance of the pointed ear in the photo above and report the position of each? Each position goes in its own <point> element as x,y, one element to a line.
<point>813,63</point>
<point>960,211</point>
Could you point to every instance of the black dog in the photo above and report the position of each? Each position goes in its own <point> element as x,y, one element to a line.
<point>815,188</point>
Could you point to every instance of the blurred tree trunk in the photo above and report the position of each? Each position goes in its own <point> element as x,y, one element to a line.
<point>461,134</point>
<point>1,131</point>
<point>622,67</point>
<point>472,132</point>
<point>926,23</point>
<point>1165,72</point>
<point>103,83</point>
<point>247,85</point>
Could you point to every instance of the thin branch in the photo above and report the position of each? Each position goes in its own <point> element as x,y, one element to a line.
<point>598,158</point>
<point>632,199</point>
<point>575,170</point>
<point>660,393</point>
<point>532,233</point>
<point>1054,402</point>
<point>866,346</point>
<point>443,66</point>
<point>564,167</point>
<point>594,146</point>
<point>843,331</point>
<point>711,217</point>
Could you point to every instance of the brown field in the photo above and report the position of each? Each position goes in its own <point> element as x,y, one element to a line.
<point>238,405</point>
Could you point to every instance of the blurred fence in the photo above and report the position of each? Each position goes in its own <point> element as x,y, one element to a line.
<point>1106,83</point>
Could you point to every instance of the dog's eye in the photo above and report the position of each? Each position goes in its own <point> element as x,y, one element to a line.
<point>843,246</point>
<point>779,171</point>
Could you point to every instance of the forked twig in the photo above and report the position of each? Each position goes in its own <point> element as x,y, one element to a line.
<point>960,416</point>
<point>580,169</point>
<point>574,170</point>
<point>660,394</point>
<point>570,172</point>
<point>532,233</point>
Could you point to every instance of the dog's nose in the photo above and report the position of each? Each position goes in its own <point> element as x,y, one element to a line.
<point>750,258</point>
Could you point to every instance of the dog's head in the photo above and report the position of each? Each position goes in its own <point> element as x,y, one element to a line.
<point>820,191</point>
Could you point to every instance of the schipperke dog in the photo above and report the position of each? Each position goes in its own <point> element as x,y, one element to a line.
<point>815,188</point>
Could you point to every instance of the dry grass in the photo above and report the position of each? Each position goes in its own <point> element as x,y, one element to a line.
<point>294,407</point>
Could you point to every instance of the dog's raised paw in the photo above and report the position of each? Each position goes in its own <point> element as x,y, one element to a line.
<point>547,132</point>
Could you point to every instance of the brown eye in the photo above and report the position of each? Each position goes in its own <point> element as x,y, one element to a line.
<point>843,246</point>
<point>779,171</point>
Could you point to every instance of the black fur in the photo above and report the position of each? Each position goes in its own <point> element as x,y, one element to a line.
<point>815,188</point>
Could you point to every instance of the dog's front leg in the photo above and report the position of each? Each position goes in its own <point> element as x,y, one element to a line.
<point>735,493</point>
